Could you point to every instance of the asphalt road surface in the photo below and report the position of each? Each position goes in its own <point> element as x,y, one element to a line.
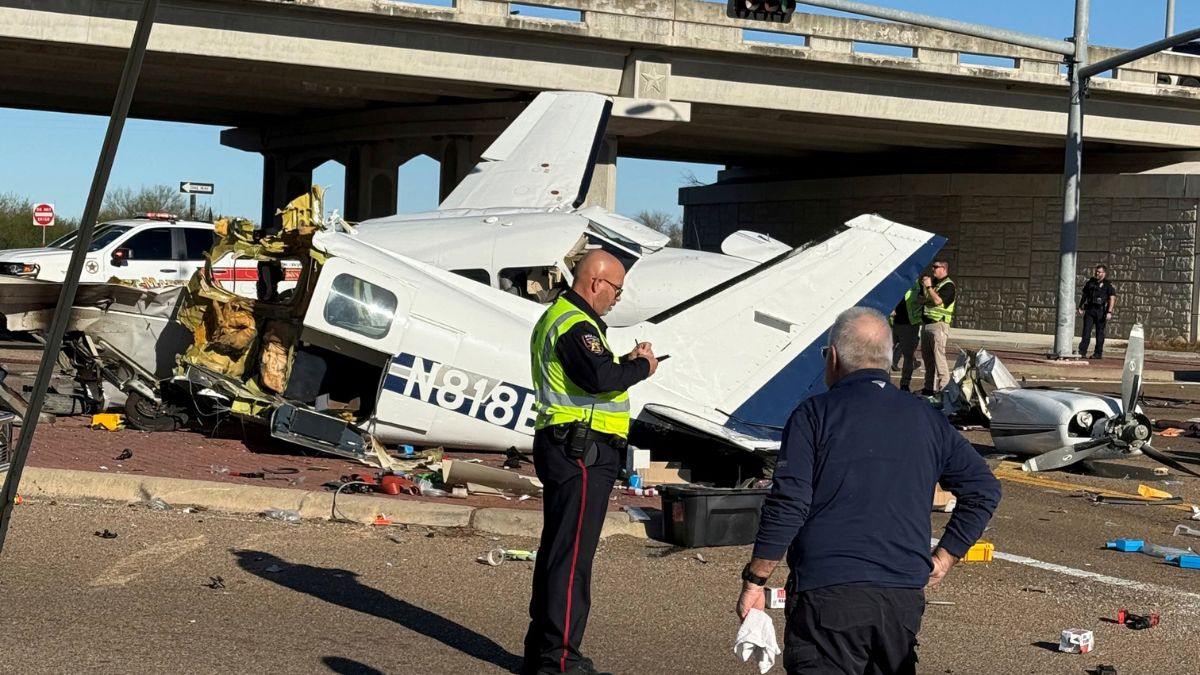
<point>328,597</point>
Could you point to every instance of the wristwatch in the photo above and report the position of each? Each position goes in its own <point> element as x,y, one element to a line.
<point>749,577</point>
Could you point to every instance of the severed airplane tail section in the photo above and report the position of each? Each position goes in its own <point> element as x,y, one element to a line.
<point>750,350</point>
<point>544,159</point>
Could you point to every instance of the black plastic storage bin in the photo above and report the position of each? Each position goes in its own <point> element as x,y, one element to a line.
<point>705,516</point>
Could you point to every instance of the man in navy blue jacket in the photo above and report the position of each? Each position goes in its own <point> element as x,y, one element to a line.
<point>850,505</point>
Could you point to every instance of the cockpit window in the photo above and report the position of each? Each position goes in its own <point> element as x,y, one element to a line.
<point>624,242</point>
<point>626,257</point>
<point>360,306</point>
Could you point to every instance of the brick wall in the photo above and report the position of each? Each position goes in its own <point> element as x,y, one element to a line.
<point>1003,237</point>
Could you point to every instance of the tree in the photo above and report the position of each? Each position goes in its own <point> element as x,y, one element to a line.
<point>16,224</point>
<point>663,222</point>
<point>124,202</point>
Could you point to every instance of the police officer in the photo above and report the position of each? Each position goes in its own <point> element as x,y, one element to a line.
<point>937,293</point>
<point>906,333</point>
<point>581,429</point>
<point>1096,305</point>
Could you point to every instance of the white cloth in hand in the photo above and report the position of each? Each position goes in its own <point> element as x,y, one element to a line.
<point>756,640</point>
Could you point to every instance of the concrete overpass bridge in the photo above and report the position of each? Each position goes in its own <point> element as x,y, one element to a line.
<point>372,83</point>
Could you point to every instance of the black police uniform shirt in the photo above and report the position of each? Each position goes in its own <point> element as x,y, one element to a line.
<point>588,363</point>
<point>1096,294</point>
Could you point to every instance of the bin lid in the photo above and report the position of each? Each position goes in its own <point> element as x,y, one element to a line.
<point>705,491</point>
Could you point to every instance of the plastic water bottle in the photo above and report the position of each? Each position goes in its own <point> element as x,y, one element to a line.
<point>285,515</point>
<point>1159,551</point>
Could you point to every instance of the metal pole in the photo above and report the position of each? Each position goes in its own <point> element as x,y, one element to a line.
<point>1065,333</point>
<point>962,27</point>
<point>1170,18</point>
<point>66,297</point>
<point>192,210</point>
<point>1138,53</point>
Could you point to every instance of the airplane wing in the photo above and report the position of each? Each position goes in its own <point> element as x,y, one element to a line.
<point>746,353</point>
<point>543,159</point>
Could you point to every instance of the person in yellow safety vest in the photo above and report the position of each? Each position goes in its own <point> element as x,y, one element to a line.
<point>906,334</point>
<point>582,425</point>
<point>937,294</point>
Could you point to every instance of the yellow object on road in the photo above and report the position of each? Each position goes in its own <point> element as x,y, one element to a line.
<point>1151,493</point>
<point>108,421</point>
<point>980,552</point>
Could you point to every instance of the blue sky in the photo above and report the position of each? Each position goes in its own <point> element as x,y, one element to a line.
<point>51,156</point>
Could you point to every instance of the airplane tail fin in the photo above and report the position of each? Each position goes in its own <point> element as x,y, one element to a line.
<point>754,343</point>
<point>544,159</point>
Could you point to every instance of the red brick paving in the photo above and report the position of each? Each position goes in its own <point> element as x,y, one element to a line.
<point>71,444</point>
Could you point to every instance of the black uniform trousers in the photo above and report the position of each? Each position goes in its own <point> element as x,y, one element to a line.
<point>852,630</point>
<point>1093,317</point>
<point>574,504</point>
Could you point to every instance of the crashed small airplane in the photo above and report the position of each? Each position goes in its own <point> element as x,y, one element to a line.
<point>1056,428</point>
<point>416,329</point>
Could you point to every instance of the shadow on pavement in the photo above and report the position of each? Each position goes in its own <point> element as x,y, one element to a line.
<point>342,587</point>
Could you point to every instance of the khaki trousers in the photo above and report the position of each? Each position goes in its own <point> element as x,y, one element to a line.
<point>933,351</point>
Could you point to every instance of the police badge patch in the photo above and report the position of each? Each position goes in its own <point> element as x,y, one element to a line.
<point>593,343</point>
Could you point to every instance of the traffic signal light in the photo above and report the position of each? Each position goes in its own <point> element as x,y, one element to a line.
<point>775,11</point>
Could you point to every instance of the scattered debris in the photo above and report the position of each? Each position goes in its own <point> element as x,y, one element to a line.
<point>285,515</point>
<point>1152,493</point>
<point>1126,545</point>
<point>776,598</point>
<point>939,602</point>
<point>1190,562</point>
<point>488,480</point>
<point>157,504</point>
<point>1162,471</point>
<point>1034,589</point>
<point>1184,529</point>
<point>1171,432</point>
<point>105,534</point>
<point>215,582</point>
<point>1097,498</point>
<point>108,422</point>
<point>17,501</point>
<point>701,558</point>
<point>497,556</point>
<point>980,552</point>
<point>1103,669</point>
<point>125,454</point>
<point>636,514</point>
<point>942,500</point>
<point>1137,621</point>
<point>194,509</point>
<point>1076,641</point>
<point>381,520</point>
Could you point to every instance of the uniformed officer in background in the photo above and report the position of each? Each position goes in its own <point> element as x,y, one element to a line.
<point>582,426</point>
<point>1096,305</point>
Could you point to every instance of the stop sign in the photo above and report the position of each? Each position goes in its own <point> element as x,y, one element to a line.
<point>43,215</point>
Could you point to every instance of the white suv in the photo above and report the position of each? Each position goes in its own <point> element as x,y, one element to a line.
<point>153,251</point>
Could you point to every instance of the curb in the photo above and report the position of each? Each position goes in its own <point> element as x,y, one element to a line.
<point>253,499</point>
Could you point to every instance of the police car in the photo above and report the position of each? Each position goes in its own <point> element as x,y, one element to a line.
<point>156,250</point>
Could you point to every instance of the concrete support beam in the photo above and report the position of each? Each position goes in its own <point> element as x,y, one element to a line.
<point>458,155</point>
<point>1142,76</point>
<point>372,178</point>
<point>603,190</point>
<point>927,55</point>
<point>285,177</point>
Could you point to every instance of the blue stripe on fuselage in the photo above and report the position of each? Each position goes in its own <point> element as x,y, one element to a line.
<point>804,376</point>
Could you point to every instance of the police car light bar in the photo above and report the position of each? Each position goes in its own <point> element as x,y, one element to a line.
<point>160,215</point>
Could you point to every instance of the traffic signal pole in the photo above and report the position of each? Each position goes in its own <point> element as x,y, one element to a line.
<point>66,297</point>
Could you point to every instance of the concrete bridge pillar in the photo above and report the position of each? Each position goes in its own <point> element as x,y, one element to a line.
<point>372,178</point>
<point>458,155</point>
<point>285,177</point>
<point>603,190</point>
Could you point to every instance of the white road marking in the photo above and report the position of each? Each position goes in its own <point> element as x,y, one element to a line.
<point>1092,576</point>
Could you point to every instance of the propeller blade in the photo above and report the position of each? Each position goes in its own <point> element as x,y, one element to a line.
<point>1064,456</point>
<point>1167,460</point>
<point>1131,378</point>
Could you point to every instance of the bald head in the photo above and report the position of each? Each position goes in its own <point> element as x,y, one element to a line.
<point>599,278</point>
<point>861,339</point>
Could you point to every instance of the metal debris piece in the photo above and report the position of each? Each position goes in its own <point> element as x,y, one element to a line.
<point>215,582</point>
<point>106,534</point>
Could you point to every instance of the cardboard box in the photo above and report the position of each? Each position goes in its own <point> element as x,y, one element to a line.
<point>1076,641</point>
<point>665,473</point>
<point>943,500</point>
<point>776,598</point>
